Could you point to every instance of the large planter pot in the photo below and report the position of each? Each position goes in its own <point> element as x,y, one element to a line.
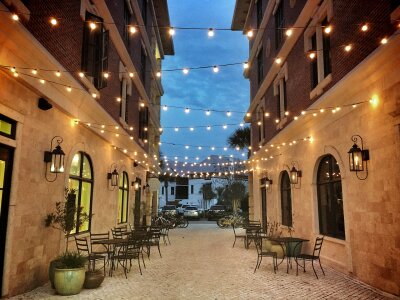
<point>93,279</point>
<point>53,264</point>
<point>69,281</point>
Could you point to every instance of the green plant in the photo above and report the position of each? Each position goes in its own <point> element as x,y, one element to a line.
<point>65,215</point>
<point>71,260</point>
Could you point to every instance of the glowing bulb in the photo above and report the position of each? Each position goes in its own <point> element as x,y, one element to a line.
<point>215,69</point>
<point>94,95</point>
<point>364,27</point>
<point>132,29</point>
<point>69,89</point>
<point>321,110</point>
<point>53,21</point>
<point>208,112</point>
<point>185,71</point>
<point>130,74</point>
<point>34,72</point>
<point>276,121</point>
<point>42,81</point>
<point>141,104</point>
<point>248,114</point>
<point>160,129</point>
<point>246,65</point>
<point>348,48</point>
<point>250,33</point>
<point>289,32</point>
<point>241,124</point>
<point>165,108</point>
<point>158,74</point>
<point>58,73</point>
<point>374,100</point>
<point>278,61</point>
<point>176,129</point>
<point>208,127</point>
<point>259,123</point>
<point>187,110</point>
<point>328,29</point>
<point>312,55</point>
<point>210,32</point>
<point>15,17</point>
<point>191,129</point>
<point>212,148</point>
<point>228,113</point>
<point>171,31</point>
<point>303,112</point>
<point>13,70</point>
<point>81,74</point>
<point>266,114</point>
<point>186,147</point>
<point>118,99</point>
<point>384,41</point>
<point>286,113</point>
<point>15,74</point>
<point>92,25</point>
<point>131,128</point>
<point>224,126</point>
<point>106,75</point>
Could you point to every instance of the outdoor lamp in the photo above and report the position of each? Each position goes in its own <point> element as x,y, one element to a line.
<point>294,175</point>
<point>55,158</point>
<point>136,184</point>
<point>266,182</point>
<point>358,156</point>
<point>113,176</point>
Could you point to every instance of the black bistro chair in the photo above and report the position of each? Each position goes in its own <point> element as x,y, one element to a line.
<point>238,235</point>
<point>311,257</point>
<point>83,248</point>
<point>262,253</point>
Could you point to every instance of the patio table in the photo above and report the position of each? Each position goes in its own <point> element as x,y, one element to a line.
<point>289,250</point>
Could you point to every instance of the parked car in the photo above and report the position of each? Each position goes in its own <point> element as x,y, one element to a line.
<point>216,212</point>
<point>181,209</point>
<point>191,212</point>
<point>169,210</point>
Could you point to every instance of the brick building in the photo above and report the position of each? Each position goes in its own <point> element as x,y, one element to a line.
<point>322,71</point>
<point>85,72</point>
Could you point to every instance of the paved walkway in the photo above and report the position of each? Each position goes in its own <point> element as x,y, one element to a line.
<point>201,264</point>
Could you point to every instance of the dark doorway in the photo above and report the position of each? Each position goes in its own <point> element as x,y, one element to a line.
<point>264,207</point>
<point>6,161</point>
<point>136,217</point>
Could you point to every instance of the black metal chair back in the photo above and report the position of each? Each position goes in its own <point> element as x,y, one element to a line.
<point>317,246</point>
<point>82,245</point>
<point>98,237</point>
<point>119,232</point>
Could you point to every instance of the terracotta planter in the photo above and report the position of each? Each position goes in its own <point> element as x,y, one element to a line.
<point>69,281</point>
<point>93,279</point>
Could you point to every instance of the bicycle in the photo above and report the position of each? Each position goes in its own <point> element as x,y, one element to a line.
<point>229,220</point>
<point>180,221</point>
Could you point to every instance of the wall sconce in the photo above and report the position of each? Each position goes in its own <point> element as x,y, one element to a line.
<point>55,158</point>
<point>113,177</point>
<point>267,183</point>
<point>295,175</point>
<point>136,184</point>
<point>358,156</point>
<point>146,187</point>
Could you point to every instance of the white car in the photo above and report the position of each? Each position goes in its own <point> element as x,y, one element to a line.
<point>191,212</point>
<point>181,209</point>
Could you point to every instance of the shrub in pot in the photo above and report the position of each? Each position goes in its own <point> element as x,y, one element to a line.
<point>69,274</point>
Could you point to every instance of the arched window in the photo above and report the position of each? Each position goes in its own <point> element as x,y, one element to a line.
<point>286,200</point>
<point>123,196</point>
<point>81,179</point>
<point>330,200</point>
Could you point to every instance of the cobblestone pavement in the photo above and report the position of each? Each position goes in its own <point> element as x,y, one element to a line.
<point>200,263</point>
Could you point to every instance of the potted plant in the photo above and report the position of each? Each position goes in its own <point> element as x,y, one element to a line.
<point>69,274</point>
<point>64,219</point>
<point>293,249</point>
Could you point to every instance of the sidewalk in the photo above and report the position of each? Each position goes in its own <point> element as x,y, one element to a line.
<point>200,263</point>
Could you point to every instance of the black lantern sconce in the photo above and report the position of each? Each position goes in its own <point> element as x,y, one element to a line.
<point>265,181</point>
<point>55,158</point>
<point>146,187</point>
<point>358,157</point>
<point>295,176</point>
<point>136,184</point>
<point>113,177</point>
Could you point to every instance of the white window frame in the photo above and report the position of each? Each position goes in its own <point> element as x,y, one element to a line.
<point>281,77</point>
<point>324,11</point>
<point>126,90</point>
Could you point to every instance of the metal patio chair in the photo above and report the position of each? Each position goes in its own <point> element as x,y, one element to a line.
<point>311,257</point>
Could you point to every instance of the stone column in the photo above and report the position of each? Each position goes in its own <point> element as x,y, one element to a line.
<point>251,197</point>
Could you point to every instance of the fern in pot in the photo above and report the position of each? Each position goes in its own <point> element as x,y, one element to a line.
<point>64,219</point>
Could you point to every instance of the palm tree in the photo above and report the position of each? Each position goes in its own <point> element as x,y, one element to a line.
<point>240,138</point>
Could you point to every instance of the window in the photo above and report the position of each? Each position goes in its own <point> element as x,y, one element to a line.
<point>127,22</point>
<point>95,51</point>
<point>326,50</point>
<point>281,96</point>
<point>81,179</point>
<point>192,189</point>
<point>314,62</point>
<point>125,91</point>
<point>143,58</point>
<point>260,124</point>
<point>260,13</point>
<point>123,196</point>
<point>330,198</point>
<point>279,25</point>
<point>144,12</point>
<point>162,190</point>
<point>143,123</point>
<point>260,66</point>
<point>286,200</point>
<point>172,190</point>
<point>7,127</point>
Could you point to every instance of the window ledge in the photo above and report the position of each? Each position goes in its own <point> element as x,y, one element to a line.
<point>335,240</point>
<point>281,123</point>
<point>319,89</point>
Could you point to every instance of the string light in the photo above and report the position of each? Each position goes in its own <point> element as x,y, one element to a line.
<point>132,29</point>
<point>215,69</point>
<point>328,29</point>
<point>364,27</point>
<point>165,108</point>
<point>92,25</point>
<point>208,112</point>
<point>185,71</point>
<point>53,21</point>
<point>312,55</point>
<point>228,113</point>
<point>158,74</point>
<point>58,73</point>
<point>187,110</point>
<point>278,61</point>
<point>106,75</point>
<point>118,99</point>
<point>34,72</point>
<point>81,74</point>
<point>289,32</point>
<point>211,32</point>
<point>131,74</point>
<point>245,65</point>
<point>250,33</point>
<point>384,41</point>
<point>348,48</point>
<point>171,31</point>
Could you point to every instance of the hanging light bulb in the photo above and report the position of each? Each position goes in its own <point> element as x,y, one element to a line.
<point>384,41</point>
<point>132,29</point>
<point>176,129</point>
<point>171,31</point>
<point>58,73</point>
<point>312,54</point>
<point>245,65</point>
<point>224,126</point>
<point>53,21</point>
<point>241,124</point>
<point>69,89</point>
<point>364,27</point>
<point>92,25</point>
<point>106,75</point>
<point>158,74</point>
<point>208,127</point>
<point>187,110</point>
<point>131,74</point>
<point>81,74</point>
<point>328,29</point>
<point>210,32</point>
<point>191,129</point>
<point>15,17</point>
<point>289,32</point>
<point>165,108</point>
<point>266,114</point>
<point>348,48</point>
<point>118,99</point>
<point>185,71</point>
<point>215,69</point>
<point>250,33</point>
<point>228,113</point>
<point>208,112</point>
<point>34,72</point>
<point>42,81</point>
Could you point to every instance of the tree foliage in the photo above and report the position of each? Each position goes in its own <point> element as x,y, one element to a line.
<point>240,138</point>
<point>208,193</point>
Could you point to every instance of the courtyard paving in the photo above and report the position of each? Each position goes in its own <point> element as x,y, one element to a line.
<point>200,263</point>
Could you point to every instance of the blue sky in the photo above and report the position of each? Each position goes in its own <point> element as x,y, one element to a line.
<point>226,90</point>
